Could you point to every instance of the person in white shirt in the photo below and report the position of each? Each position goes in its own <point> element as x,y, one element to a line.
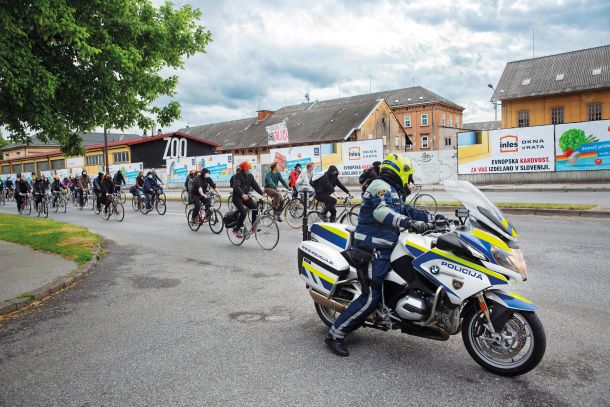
<point>304,180</point>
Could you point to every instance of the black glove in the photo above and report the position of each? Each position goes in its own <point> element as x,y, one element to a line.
<point>418,226</point>
<point>441,223</point>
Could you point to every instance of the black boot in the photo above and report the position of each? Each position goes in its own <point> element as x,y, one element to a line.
<point>336,346</point>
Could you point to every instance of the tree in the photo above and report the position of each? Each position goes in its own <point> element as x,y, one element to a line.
<point>3,143</point>
<point>69,66</point>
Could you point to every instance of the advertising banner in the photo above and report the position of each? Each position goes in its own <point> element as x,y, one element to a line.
<point>583,146</point>
<point>27,176</point>
<point>63,173</point>
<point>256,167</point>
<point>353,157</point>
<point>277,133</point>
<point>130,171</point>
<point>524,149</point>
<point>4,177</point>
<point>75,162</point>
<point>48,174</point>
<point>220,166</point>
<point>178,168</point>
<point>288,157</point>
<point>78,170</point>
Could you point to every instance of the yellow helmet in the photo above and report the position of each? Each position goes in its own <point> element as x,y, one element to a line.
<point>399,165</point>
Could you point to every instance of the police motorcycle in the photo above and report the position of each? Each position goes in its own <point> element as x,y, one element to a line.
<point>464,270</point>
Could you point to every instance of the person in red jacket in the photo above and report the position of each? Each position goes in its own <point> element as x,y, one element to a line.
<point>292,179</point>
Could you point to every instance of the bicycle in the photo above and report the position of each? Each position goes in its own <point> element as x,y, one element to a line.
<point>26,205</point>
<point>120,193</point>
<point>349,213</point>
<point>264,229</point>
<point>215,220</point>
<point>61,203</point>
<point>422,201</point>
<point>115,208</point>
<point>294,210</point>
<point>137,201</point>
<point>42,208</point>
<point>157,201</point>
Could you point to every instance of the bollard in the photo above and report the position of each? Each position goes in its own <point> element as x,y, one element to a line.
<point>305,225</point>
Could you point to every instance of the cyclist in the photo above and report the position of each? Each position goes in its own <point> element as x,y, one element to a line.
<point>46,183</point>
<point>97,189</point>
<point>118,180</point>
<point>83,183</point>
<point>243,181</point>
<point>304,181</point>
<point>324,187</point>
<point>56,188</point>
<point>201,184</point>
<point>293,177</point>
<point>38,190</point>
<point>272,181</point>
<point>188,184</point>
<point>8,184</point>
<point>150,187</point>
<point>21,190</point>
<point>106,190</point>
<point>369,175</point>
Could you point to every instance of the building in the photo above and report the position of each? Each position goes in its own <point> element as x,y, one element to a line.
<point>151,151</point>
<point>345,119</point>
<point>563,88</point>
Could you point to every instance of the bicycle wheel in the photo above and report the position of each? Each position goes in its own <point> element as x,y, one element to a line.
<point>122,196</point>
<point>184,197</point>
<point>37,209</point>
<point>64,205</point>
<point>313,217</point>
<point>230,204</point>
<point>425,202</point>
<point>352,215</point>
<point>188,208</point>
<point>217,202</point>
<point>134,203</point>
<point>119,212</point>
<point>193,226</point>
<point>28,207</point>
<point>45,209</point>
<point>96,208</point>
<point>237,241</point>
<point>106,212</point>
<point>293,213</point>
<point>160,206</point>
<point>216,222</point>
<point>143,208</point>
<point>267,232</point>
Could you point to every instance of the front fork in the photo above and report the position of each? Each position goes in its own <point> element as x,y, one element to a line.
<point>485,310</point>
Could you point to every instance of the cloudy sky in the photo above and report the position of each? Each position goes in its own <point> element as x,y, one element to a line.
<point>276,51</point>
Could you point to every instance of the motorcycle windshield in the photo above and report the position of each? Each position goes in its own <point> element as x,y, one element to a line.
<point>480,207</point>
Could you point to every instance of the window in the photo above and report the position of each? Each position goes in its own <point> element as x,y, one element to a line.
<point>29,167</point>
<point>557,115</point>
<point>450,121</point>
<point>6,169</point>
<point>122,157</point>
<point>408,120</point>
<point>595,111</point>
<point>457,121</point>
<point>57,164</point>
<point>447,141</point>
<point>443,119</point>
<point>596,71</point>
<point>559,77</point>
<point>523,118</point>
<point>397,141</point>
<point>408,145</point>
<point>42,166</point>
<point>526,82</point>
<point>95,159</point>
<point>424,119</point>
<point>424,141</point>
<point>17,168</point>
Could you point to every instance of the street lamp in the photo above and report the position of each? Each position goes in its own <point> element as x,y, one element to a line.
<point>495,102</point>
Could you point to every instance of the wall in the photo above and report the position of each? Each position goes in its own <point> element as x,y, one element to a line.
<point>433,167</point>
<point>575,107</point>
<point>152,152</point>
<point>435,114</point>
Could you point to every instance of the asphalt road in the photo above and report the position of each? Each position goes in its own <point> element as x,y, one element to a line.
<point>172,317</point>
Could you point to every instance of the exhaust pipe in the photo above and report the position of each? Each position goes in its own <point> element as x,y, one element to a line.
<point>327,302</point>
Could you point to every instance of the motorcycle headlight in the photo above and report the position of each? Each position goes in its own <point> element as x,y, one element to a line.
<point>512,260</point>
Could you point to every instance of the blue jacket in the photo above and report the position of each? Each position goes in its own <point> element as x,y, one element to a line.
<point>150,183</point>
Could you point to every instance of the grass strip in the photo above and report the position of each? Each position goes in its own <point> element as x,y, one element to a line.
<point>72,242</point>
<point>528,205</point>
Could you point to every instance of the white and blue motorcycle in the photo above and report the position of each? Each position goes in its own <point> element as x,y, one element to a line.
<point>464,272</point>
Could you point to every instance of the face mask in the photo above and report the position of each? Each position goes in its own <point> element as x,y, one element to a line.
<point>150,176</point>
<point>207,175</point>
<point>84,173</point>
<point>249,171</point>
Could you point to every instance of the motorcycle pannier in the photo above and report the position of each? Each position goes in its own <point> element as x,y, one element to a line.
<point>321,266</point>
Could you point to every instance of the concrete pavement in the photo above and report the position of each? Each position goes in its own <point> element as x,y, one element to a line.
<point>173,317</point>
<point>24,269</point>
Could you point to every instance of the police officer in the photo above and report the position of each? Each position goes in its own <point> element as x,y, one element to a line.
<point>381,217</point>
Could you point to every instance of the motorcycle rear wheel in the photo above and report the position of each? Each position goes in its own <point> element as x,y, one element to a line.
<point>525,336</point>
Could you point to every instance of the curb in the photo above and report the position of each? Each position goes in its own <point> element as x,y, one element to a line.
<point>56,285</point>
<point>517,189</point>
<point>544,212</point>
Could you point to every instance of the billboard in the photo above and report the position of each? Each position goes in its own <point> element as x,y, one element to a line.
<point>220,166</point>
<point>130,171</point>
<point>4,177</point>
<point>48,174</point>
<point>524,149</point>
<point>277,133</point>
<point>63,173</point>
<point>75,162</point>
<point>288,157</point>
<point>583,146</point>
<point>353,157</point>
<point>253,159</point>
<point>178,168</point>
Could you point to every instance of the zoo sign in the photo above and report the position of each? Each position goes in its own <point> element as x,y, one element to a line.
<point>175,147</point>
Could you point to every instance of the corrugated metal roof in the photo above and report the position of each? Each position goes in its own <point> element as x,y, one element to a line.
<point>560,73</point>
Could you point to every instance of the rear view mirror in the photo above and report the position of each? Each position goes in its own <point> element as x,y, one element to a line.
<point>462,214</point>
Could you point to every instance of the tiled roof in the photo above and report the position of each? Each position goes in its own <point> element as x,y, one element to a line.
<point>492,125</point>
<point>568,72</point>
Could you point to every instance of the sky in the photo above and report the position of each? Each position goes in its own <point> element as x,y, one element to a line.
<point>270,53</point>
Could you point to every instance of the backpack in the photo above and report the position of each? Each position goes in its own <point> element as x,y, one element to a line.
<point>231,181</point>
<point>315,179</point>
<point>230,218</point>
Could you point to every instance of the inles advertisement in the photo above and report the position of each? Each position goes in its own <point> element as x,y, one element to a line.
<point>527,149</point>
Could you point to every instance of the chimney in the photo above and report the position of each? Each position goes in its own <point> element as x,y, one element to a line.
<point>263,114</point>
<point>159,131</point>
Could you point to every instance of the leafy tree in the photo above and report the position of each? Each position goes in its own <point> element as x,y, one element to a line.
<point>3,143</point>
<point>68,66</point>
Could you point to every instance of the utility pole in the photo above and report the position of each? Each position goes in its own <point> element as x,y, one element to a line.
<point>533,43</point>
<point>107,167</point>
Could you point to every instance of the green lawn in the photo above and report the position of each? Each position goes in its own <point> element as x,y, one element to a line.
<point>70,241</point>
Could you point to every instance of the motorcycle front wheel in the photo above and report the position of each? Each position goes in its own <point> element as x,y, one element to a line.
<point>518,349</point>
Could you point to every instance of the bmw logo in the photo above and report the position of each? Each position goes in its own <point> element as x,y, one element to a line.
<point>434,269</point>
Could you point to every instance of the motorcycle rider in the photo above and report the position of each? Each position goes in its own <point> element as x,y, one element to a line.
<point>381,216</point>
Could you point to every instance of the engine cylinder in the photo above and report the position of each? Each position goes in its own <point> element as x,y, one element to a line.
<point>411,308</point>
